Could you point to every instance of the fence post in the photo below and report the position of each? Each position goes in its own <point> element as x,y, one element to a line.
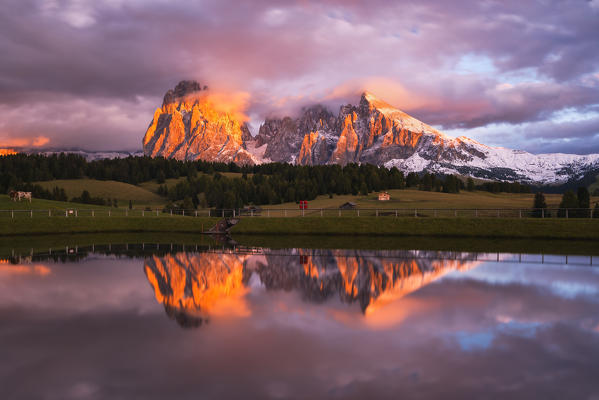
<point>358,213</point>
<point>31,213</point>
<point>49,213</point>
<point>197,213</point>
<point>339,212</point>
<point>415,213</point>
<point>183,211</point>
<point>143,213</point>
<point>542,213</point>
<point>12,213</point>
<point>455,213</point>
<point>126,212</point>
<point>497,213</point>
<point>268,212</point>
<point>435,213</point>
<point>476,212</point>
<point>223,211</point>
<point>566,213</point>
<point>519,213</point>
<point>285,212</point>
<point>76,213</point>
<point>93,215</point>
<point>321,212</point>
<point>156,212</point>
<point>109,213</point>
<point>395,213</point>
<point>171,212</point>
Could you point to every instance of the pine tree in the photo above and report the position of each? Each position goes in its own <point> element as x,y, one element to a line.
<point>470,185</point>
<point>584,201</point>
<point>539,205</point>
<point>569,200</point>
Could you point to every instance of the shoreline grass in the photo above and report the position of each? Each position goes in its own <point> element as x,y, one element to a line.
<point>464,228</point>
<point>58,225</point>
<point>490,228</point>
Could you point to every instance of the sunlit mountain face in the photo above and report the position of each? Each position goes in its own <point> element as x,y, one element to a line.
<point>194,286</point>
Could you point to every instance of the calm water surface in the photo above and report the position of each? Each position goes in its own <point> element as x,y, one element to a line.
<point>299,323</point>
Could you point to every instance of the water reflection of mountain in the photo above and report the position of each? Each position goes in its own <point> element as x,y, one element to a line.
<point>191,285</point>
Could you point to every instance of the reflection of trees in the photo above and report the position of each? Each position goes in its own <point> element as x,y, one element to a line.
<point>190,285</point>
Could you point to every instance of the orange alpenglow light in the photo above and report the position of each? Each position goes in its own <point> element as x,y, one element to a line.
<point>8,269</point>
<point>7,152</point>
<point>198,285</point>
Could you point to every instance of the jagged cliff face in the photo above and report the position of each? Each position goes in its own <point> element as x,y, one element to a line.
<point>191,285</point>
<point>189,126</point>
<point>372,132</point>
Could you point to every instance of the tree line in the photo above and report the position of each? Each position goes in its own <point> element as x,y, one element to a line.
<point>206,184</point>
<point>572,205</point>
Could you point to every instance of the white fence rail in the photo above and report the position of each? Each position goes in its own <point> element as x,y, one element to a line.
<point>315,212</point>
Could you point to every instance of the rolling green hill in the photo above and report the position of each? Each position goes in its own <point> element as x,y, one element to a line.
<point>123,192</point>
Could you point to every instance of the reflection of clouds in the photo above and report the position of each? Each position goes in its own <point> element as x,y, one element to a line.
<point>461,336</point>
<point>98,283</point>
<point>564,280</point>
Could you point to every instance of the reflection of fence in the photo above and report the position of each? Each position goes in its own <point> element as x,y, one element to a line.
<point>303,256</point>
<point>314,212</point>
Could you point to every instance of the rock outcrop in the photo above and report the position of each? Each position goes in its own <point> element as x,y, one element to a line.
<point>189,126</point>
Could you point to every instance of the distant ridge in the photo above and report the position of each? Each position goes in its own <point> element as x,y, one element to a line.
<point>187,127</point>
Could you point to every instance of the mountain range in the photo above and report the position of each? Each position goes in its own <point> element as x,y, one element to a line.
<point>192,286</point>
<point>189,126</point>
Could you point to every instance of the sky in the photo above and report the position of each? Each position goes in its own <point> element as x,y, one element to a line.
<point>511,73</point>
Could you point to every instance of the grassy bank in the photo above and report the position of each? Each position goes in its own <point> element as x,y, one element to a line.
<point>582,229</point>
<point>56,225</point>
<point>25,245</point>
<point>475,245</point>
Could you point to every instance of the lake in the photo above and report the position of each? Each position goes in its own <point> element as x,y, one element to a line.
<point>176,322</point>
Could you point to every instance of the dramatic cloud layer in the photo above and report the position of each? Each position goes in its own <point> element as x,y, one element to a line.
<point>511,73</point>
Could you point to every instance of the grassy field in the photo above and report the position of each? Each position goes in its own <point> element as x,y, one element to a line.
<point>402,199</point>
<point>585,229</point>
<point>123,192</point>
<point>55,225</point>
<point>41,204</point>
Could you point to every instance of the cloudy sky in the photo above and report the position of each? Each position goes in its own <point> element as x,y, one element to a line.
<point>512,73</point>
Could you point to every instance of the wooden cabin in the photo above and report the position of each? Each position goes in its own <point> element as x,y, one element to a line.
<point>384,196</point>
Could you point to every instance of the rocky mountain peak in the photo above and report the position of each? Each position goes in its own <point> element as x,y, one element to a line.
<point>190,126</point>
<point>184,88</point>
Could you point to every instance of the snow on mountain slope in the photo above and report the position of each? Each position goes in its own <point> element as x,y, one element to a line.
<point>188,127</point>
